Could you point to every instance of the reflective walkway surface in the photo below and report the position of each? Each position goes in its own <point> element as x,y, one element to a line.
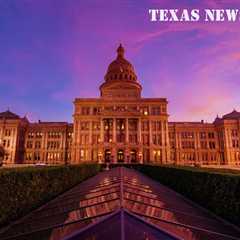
<point>120,204</point>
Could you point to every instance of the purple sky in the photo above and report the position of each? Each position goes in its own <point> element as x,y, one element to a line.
<point>52,51</point>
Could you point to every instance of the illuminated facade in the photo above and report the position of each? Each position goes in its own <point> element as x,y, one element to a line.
<point>120,127</point>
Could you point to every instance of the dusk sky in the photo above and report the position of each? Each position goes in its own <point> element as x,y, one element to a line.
<point>52,51</point>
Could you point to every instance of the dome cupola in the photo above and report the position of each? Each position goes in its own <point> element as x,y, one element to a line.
<point>120,68</point>
<point>120,79</point>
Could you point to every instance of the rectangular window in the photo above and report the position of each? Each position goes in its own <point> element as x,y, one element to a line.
<point>235,143</point>
<point>37,156</point>
<point>95,138</point>
<point>156,110</point>
<point>30,135</point>
<point>212,145</point>
<point>234,133</point>
<point>171,135</point>
<point>133,138</point>
<point>108,124</point>
<point>7,132</point>
<point>144,110</point>
<point>108,137</point>
<point>39,135</point>
<point>96,126</point>
<point>159,125</point>
<point>85,110</point>
<point>145,126</point>
<point>120,124</point>
<point>54,134</point>
<point>211,135</point>
<point>120,137</point>
<point>154,125</point>
<point>203,135</point>
<point>186,135</point>
<point>203,144</point>
<point>188,145</point>
<point>157,155</point>
<point>96,110</point>
<point>29,144</point>
<point>37,144</point>
<point>164,110</point>
<point>159,139</point>
<point>145,138</point>
<point>84,126</point>
<point>132,124</point>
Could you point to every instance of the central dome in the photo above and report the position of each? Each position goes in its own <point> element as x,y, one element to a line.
<point>120,68</point>
<point>120,79</point>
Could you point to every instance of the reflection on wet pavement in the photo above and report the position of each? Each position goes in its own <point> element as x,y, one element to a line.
<point>121,204</point>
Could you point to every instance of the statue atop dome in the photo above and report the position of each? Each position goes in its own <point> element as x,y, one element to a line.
<point>120,51</point>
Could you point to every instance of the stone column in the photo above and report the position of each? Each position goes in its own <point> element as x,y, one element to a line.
<point>114,130</point>
<point>227,146</point>
<point>90,131</point>
<point>197,148</point>
<point>150,142</point>
<point>163,133</point>
<point>150,132</point>
<point>90,146</point>
<point>114,154</point>
<point>163,127</point>
<point>78,146</point>
<point>139,131</point>
<point>167,145</point>
<point>45,140</point>
<point>139,139</point>
<point>101,131</point>
<point>127,131</point>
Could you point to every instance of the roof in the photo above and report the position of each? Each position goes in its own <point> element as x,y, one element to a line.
<point>232,115</point>
<point>120,204</point>
<point>50,124</point>
<point>8,115</point>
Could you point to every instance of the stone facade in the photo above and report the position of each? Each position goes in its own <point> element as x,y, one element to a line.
<point>120,127</point>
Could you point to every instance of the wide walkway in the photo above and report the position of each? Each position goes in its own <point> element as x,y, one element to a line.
<point>120,204</point>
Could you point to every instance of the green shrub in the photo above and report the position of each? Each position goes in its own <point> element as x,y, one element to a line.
<point>24,189</point>
<point>215,190</point>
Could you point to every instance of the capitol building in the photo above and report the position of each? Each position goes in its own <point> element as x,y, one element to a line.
<point>120,127</point>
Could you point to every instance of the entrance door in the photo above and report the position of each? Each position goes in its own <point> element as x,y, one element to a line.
<point>133,156</point>
<point>120,156</point>
<point>107,155</point>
